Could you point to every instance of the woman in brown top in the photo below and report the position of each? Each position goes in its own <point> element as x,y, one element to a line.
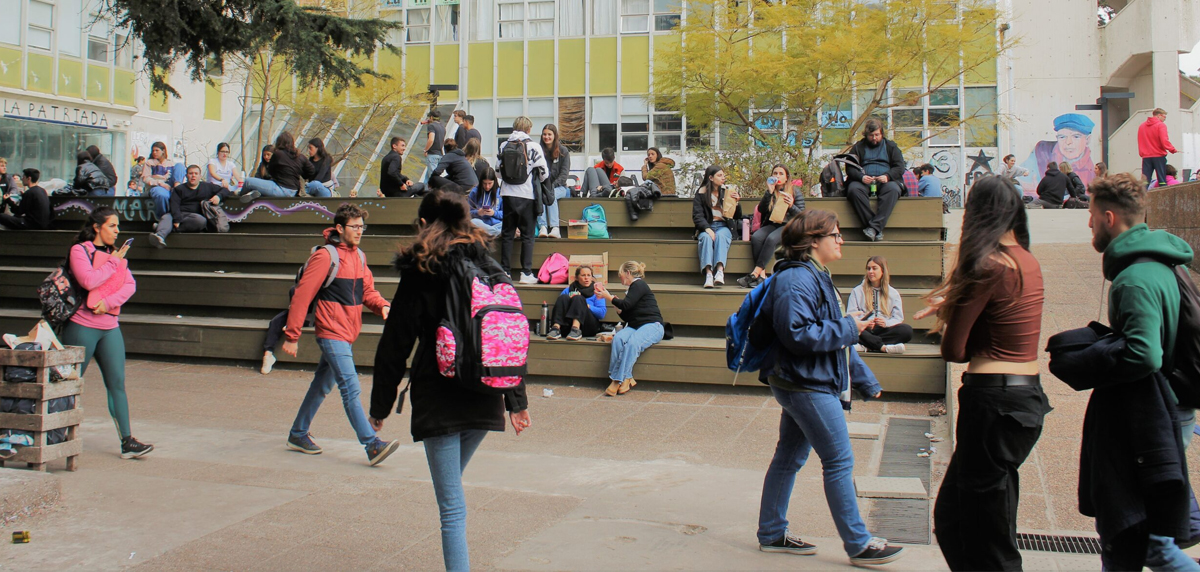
<point>990,315</point>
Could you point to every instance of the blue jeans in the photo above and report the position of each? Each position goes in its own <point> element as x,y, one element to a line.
<point>550,214</point>
<point>448,456</point>
<point>267,188</point>
<point>492,229</point>
<point>812,421</point>
<point>628,344</point>
<point>336,368</point>
<point>162,200</point>
<point>1163,554</point>
<point>714,252</point>
<point>431,165</point>
<point>316,189</point>
<point>110,192</point>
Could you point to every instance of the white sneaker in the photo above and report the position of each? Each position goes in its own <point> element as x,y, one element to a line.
<point>528,279</point>
<point>719,277</point>
<point>893,348</point>
<point>268,362</point>
<point>554,233</point>
<point>860,348</point>
<point>543,232</point>
<point>708,279</point>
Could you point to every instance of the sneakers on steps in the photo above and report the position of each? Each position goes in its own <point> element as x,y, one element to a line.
<point>575,335</point>
<point>893,348</point>
<point>555,334</point>
<point>132,448</point>
<point>554,233</point>
<point>157,240</point>
<point>708,279</point>
<point>268,362</point>
<point>528,279</point>
<point>248,196</point>
<point>877,552</point>
<point>860,348</point>
<point>790,545</point>
<point>719,277</point>
<point>543,232</point>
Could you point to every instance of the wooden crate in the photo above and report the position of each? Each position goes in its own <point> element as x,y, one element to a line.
<point>42,391</point>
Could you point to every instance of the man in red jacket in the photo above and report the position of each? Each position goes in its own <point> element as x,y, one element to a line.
<point>338,319</point>
<point>1153,146</point>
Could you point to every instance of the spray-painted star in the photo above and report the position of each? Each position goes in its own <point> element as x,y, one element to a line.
<point>981,160</point>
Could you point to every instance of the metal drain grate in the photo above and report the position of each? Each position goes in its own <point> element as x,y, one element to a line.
<point>903,520</point>
<point>1059,544</point>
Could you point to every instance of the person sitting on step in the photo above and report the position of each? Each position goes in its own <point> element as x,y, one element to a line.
<point>715,218</point>
<point>186,213</point>
<point>643,326</point>
<point>579,306</point>
<point>881,304</point>
<point>602,177</point>
<point>882,170</point>
<point>778,206</point>
<point>486,209</point>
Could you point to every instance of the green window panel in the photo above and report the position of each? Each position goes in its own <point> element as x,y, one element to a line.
<point>212,100</point>
<point>572,73</point>
<point>603,68</point>
<point>70,78</point>
<point>541,68</point>
<point>124,86</point>
<point>635,64</point>
<point>510,69</point>
<point>445,68</point>
<point>40,73</point>
<point>13,69</point>
<point>479,71</point>
<point>99,84</point>
<point>416,60</point>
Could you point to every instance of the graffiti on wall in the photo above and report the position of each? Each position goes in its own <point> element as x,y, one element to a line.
<point>957,169</point>
<point>1072,143</point>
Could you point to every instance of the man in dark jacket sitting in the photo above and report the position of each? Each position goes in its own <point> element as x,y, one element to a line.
<point>1051,190</point>
<point>392,182</point>
<point>186,214</point>
<point>31,210</point>
<point>105,166</point>
<point>454,173</point>
<point>882,167</point>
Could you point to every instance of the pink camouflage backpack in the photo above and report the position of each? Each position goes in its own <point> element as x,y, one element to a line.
<point>483,342</point>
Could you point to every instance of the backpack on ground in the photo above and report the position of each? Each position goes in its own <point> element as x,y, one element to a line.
<point>597,221</point>
<point>335,262</point>
<point>740,354</point>
<point>483,342</point>
<point>833,177</point>
<point>61,295</point>
<point>1185,372</point>
<point>514,163</point>
<point>555,270</point>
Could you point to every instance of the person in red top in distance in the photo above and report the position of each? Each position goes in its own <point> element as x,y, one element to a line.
<point>1153,146</point>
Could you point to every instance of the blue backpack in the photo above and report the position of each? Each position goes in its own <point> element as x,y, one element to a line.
<point>597,221</point>
<point>740,354</point>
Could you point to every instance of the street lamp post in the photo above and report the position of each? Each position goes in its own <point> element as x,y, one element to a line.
<point>1101,105</point>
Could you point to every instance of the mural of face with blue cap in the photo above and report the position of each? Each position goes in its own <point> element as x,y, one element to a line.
<point>1072,132</point>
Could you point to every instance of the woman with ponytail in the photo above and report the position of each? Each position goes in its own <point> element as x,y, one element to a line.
<point>94,326</point>
<point>449,421</point>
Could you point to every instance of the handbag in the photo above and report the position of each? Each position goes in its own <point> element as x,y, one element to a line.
<point>218,221</point>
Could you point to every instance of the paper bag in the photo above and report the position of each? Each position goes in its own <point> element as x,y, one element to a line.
<point>780,209</point>
<point>577,229</point>
<point>729,206</point>
<point>598,262</point>
<point>43,334</point>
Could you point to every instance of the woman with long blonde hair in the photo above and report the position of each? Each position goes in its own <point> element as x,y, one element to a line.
<point>881,304</point>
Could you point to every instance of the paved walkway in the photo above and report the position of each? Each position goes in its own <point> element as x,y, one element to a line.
<point>666,477</point>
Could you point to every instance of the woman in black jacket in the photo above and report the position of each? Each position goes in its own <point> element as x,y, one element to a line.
<point>559,160</point>
<point>779,205</point>
<point>287,173</point>
<point>454,172</point>
<point>89,179</point>
<point>715,224</point>
<point>449,420</point>
<point>264,161</point>
<point>643,325</point>
<point>318,170</point>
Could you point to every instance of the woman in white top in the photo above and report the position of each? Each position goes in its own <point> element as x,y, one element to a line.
<point>224,171</point>
<point>881,304</point>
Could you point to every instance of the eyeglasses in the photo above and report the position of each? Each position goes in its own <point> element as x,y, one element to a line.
<point>835,235</point>
<point>360,227</point>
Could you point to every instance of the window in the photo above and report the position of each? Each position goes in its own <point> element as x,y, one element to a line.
<point>635,133</point>
<point>512,20</point>
<point>70,29</point>
<point>541,19</point>
<point>604,13</point>
<point>124,46</point>
<point>41,25</point>
<point>666,15</point>
<point>980,107</point>
<point>417,21</point>
<point>447,24</point>
<point>635,16</point>
<point>99,47</point>
<point>571,19</point>
<point>10,26</point>
<point>943,126</point>
<point>482,19</point>
<point>668,132</point>
<point>944,97</point>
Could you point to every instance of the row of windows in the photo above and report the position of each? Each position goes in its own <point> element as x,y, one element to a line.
<point>64,26</point>
<point>508,20</point>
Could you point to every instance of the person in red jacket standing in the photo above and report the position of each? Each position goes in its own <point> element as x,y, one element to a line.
<point>1153,146</point>
<point>338,318</point>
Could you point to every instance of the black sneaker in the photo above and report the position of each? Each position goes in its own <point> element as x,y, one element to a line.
<point>575,335</point>
<point>790,545</point>
<point>870,232</point>
<point>555,334</point>
<point>304,444</point>
<point>877,552</point>
<point>248,196</point>
<point>380,449</point>
<point>157,240</point>
<point>132,448</point>
<point>746,281</point>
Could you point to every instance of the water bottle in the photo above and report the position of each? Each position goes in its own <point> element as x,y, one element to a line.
<point>872,190</point>
<point>771,181</point>
<point>542,323</point>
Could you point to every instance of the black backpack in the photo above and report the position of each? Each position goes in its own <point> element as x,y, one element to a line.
<point>833,178</point>
<point>514,163</point>
<point>61,295</point>
<point>1184,374</point>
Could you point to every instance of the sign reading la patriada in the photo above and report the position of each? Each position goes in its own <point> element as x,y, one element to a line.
<point>17,109</point>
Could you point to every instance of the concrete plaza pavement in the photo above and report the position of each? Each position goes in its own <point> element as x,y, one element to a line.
<point>666,477</point>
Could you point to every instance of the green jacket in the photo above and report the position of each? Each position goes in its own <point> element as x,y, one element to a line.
<point>1144,300</point>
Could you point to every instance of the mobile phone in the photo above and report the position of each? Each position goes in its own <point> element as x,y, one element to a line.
<point>127,243</point>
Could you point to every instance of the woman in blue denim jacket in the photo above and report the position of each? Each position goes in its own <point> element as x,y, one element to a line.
<point>811,367</point>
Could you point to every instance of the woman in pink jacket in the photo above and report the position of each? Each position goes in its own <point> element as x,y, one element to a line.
<point>100,268</point>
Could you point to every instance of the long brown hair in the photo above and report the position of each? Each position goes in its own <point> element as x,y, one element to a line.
<point>992,210</point>
<point>285,142</point>
<point>804,231</point>
<point>885,279</point>
<point>553,152</point>
<point>443,221</point>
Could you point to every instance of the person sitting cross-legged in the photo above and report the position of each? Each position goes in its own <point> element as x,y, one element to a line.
<point>186,213</point>
<point>883,168</point>
<point>487,211</point>
<point>881,304</point>
<point>579,306</point>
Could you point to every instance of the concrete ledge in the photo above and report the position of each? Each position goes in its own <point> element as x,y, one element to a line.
<point>24,492</point>
<point>864,430</point>
<point>890,488</point>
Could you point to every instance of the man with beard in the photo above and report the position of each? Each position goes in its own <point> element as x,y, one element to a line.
<point>882,171</point>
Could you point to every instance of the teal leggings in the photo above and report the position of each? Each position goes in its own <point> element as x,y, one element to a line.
<point>108,346</point>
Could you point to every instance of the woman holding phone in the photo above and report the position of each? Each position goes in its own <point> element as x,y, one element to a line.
<point>881,304</point>
<point>94,326</point>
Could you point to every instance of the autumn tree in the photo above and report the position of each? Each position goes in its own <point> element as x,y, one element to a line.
<point>782,73</point>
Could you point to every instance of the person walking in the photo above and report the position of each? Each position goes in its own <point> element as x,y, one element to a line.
<point>338,319</point>
<point>644,325</point>
<point>449,421</point>
<point>95,325</point>
<point>1153,146</point>
<point>989,312</point>
<point>811,370</point>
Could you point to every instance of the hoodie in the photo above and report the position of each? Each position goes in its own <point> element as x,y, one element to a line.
<point>1053,187</point>
<point>1152,138</point>
<point>662,175</point>
<point>338,313</point>
<point>1144,302</point>
<point>537,160</point>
